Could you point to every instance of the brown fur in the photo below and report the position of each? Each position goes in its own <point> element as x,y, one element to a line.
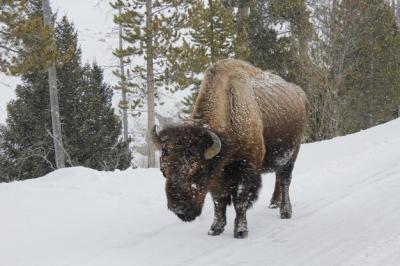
<point>233,101</point>
<point>260,119</point>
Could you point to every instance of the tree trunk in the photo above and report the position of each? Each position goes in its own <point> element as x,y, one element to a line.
<point>331,120</point>
<point>243,11</point>
<point>211,20</point>
<point>151,161</point>
<point>124,88</point>
<point>54,106</point>
<point>398,13</point>
<point>241,17</point>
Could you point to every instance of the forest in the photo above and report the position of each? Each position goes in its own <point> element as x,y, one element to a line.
<point>345,54</point>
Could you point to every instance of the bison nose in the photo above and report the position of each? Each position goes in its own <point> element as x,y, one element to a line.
<point>177,209</point>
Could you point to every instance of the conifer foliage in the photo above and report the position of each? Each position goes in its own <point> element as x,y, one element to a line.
<point>26,45</point>
<point>345,54</point>
<point>91,130</point>
<point>211,36</point>
<point>357,55</point>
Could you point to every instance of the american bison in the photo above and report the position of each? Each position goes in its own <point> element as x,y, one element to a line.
<point>245,122</point>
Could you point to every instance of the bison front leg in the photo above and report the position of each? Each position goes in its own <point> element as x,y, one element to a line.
<point>246,192</point>
<point>285,176</point>
<point>220,203</point>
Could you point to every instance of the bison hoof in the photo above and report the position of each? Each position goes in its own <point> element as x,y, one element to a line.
<point>286,211</point>
<point>241,234</point>
<point>215,231</point>
<point>286,215</point>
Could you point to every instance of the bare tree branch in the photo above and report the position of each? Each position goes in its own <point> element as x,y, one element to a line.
<point>65,152</point>
<point>9,49</point>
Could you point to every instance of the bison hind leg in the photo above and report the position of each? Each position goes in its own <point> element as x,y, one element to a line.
<point>276,199</point>
<point>285,176</point>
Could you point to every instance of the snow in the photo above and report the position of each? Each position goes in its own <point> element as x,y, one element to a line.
<point>282,161</point>
<point>345,196</point>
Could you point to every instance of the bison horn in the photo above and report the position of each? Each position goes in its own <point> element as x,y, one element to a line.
<point>155,138</point>
<point>215,148</point>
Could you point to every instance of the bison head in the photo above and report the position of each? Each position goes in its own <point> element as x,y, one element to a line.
<point>187,154</point>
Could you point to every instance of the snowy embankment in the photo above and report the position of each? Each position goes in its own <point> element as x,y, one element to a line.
<point>345,192</point>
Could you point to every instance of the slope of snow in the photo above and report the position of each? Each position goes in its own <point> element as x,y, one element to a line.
<point>345,195</point>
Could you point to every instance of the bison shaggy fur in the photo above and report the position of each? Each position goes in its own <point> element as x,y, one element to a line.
<point>245,122</point>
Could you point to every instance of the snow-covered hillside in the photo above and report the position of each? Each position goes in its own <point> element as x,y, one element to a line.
<point>345,192</point>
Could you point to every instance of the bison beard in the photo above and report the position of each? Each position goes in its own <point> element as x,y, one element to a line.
<point>245,122</point>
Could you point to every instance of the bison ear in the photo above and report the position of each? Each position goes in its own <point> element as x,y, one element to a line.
<point>215,148</point>
<point>155,138</point>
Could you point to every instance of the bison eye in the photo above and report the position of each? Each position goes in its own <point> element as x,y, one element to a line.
<point>193,151</point>
<point>164,152</point>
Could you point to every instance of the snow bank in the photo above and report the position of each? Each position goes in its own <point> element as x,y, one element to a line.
<point>345,197</point>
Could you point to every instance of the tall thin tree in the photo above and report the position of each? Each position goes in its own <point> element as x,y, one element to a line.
<point>151,161</point>
<point>123,84</point>
<point>54,105</point>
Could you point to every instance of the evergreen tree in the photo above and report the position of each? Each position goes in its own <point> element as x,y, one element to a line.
<point>266,49</point>
<point>150,30</point>
<point>90,128</point>
<point>27,27</point>
<point>93,136</point>
<point>357,54</point>
<point>27,143</point>
<point>211,37</point>
<point>121,73</point>
<point>26,45</point>
<point>245,29</point>
<point>371,90</point>
<point>5,164</point>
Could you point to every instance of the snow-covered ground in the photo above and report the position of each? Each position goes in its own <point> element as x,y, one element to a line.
<point>345,192</point>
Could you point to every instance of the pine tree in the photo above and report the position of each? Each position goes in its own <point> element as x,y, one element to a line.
<point>121,73</point>
<point>95,141</point>
<point>90,128</point>
<point>150,31</point>
<point>27,27</point>
<point>27,143</point>
<point>358,56</point>
<point>371,90</point>
<point>245,29</point>
<point>5,164</point>
<point>211,37</point>
<point>266,49</point>
<point>26,44</point>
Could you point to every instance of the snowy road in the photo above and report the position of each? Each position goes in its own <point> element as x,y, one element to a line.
<point>345,194</point>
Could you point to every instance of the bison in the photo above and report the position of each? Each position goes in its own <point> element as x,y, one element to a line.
<point>245,122</point>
